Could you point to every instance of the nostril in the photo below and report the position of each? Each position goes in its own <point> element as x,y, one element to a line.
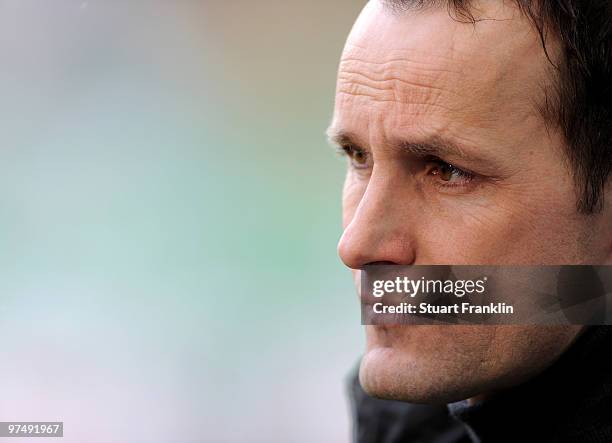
<point>377,263</point>
<point>381,263</point>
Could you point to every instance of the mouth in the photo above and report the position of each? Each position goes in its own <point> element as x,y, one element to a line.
<point>387,320</point>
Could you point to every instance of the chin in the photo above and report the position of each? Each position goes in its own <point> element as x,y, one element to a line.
<point>390,374</point>
<point>443,364</point>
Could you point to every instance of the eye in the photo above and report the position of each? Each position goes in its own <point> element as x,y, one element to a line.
<point>447,174</point>
<point>358,157</point>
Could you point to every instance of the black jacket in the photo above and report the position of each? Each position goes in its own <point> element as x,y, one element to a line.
<point>569,402</point>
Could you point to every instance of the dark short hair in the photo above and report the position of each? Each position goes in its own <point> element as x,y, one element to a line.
<point>580,100</point>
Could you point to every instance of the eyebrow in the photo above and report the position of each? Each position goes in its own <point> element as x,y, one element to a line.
<point>340,138</point>
<point>431,146</point>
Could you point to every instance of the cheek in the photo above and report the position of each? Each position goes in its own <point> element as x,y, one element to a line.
<point>443,241</point>
<point>501,233</point>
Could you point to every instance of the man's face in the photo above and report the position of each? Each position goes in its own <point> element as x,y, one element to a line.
<point>451,162</point>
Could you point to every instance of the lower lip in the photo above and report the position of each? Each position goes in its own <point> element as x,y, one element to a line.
<point>390,320</point>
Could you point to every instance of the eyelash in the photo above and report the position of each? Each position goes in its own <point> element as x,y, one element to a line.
<point>466,176</point>
<point>350,152</point>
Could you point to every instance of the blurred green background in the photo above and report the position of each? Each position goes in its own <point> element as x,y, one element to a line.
<point>169,213</point>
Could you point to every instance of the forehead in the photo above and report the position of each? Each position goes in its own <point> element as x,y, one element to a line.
<point>425,70</point>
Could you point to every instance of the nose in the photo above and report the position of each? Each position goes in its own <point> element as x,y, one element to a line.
<point>381,228</point>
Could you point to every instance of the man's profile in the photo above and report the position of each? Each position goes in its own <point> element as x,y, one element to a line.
<point>479,133</point>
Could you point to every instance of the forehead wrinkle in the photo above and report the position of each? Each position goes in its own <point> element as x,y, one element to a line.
<point>402,53</point>
<point>412,93</point>
<point>410,67</point>
<point>404,58</point>
<point>385,76</point>
<point>417,107</point>
<point>408,77</point>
